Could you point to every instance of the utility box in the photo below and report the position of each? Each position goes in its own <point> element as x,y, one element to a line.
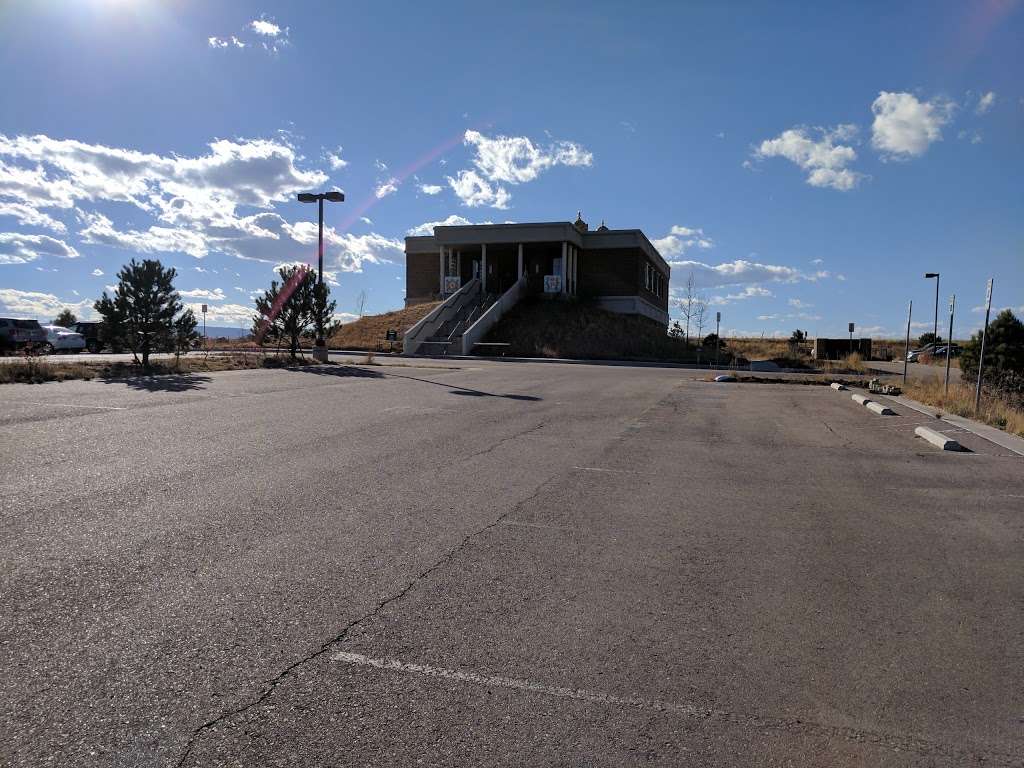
<point>837,349</point>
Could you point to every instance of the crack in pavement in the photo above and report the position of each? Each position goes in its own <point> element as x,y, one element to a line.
<point>343,633</point>
<point>505,440</point>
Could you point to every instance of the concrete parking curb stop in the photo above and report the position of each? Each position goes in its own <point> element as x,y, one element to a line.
<point>938,439</point>
<point>881,410</point>
<point>860,399</point>
<point>837,386</point>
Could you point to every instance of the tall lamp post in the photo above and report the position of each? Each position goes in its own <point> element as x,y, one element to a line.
<point>320,349</point>
<point>935,327</point>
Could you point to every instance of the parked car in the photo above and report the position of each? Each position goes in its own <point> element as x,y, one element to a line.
<point>954,350</point>
<point>60,339</point>
<point>95,337</point>
<point>20,335</point>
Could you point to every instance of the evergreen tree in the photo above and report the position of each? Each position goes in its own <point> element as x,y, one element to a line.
<point>66,319</point>
<point>1004,347</point>
<point>185,331</point>
<point>287,310</point>
<point>142,310</point>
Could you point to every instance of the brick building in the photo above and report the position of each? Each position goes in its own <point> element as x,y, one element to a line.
<point>618,268</point>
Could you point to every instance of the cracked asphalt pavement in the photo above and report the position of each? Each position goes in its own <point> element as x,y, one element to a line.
<point>486,563</point>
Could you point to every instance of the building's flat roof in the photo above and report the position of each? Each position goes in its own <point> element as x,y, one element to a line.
<point>534,232</point>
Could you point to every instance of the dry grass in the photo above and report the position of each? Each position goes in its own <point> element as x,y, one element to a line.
<point>36,371</point>
<point>960,401</point>
<point>852,363</point>
<point>760,349</point>
<point>369,332</point>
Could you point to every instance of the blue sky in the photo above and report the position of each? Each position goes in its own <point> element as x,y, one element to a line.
<point>807,162</point>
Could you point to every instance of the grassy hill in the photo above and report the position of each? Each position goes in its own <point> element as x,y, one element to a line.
<point>369,330</point>
<point>539,328</point>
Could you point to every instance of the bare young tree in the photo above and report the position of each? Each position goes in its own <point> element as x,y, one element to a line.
<point>360,302</point>
<point>700,308</point>
<point>688,304</point>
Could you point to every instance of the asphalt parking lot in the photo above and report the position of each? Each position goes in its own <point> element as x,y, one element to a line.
<point>483,563</point>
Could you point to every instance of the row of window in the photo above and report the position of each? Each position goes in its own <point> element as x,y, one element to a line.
<point>654,281</point>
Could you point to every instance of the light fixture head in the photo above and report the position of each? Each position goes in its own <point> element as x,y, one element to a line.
<point>306,197</point>
<point>931,274</point>
<point>335,197</point>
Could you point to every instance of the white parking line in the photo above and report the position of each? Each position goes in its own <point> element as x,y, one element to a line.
<point>75,405</point>
<point>579,694</point>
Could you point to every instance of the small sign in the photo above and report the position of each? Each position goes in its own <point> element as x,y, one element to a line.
<point>452,283</point>
<point>851,327</point>
<point>988,292</point>
<point>552,283</point>
<point>204,309</point>
<point>718,317</point>
<point>952,303</point>
<point>392,335</point>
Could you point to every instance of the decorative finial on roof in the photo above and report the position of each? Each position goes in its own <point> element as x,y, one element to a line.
<point>602,228</point>
<point>580,224</point>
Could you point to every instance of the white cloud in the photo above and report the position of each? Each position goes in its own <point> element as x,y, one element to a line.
<point>30,216</point>
<point>985,102</point>
<point>335,160</point>
<point>42,306</point>
<point>516,159</point>
<point>386,188</point>
<point>738,272</point>
<point>817,261</point>
<point>232,314</point>
<point>509,160</point>
<point>679,240</point>
<point>225,42</point>
<point>100,230</point>
<point>824,159</point>
<point>749,292</point>
<point>263,27</point>
<point>904,127</point>
<point>16,248</point>
<point>366,220</point>
<point>262,32</point>
<point>474,191</point>
<point>431,189</point>
<point>380,165</point>
<point>97,272</point>
<point>799,304</point>
<point>216,294</point>
<point>427,227</point>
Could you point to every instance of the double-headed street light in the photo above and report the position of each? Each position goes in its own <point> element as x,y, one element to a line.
<point>320,349</point>
<point>935,328</point>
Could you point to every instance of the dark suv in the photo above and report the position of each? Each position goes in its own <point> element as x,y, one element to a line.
<point>20,335</point>
<point>95,337</point>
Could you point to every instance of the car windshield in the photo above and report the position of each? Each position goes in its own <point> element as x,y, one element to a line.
<point>26,323</point>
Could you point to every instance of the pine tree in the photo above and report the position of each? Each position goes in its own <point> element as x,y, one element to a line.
<point>185,331</point>
<point>141,312</point>
<point>287,309</point>
<point>66,319</point>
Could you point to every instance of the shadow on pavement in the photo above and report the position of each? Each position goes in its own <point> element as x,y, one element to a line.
<point>341,371</point>
<point>354,371</point>
<point>455,389</point>
<point>165,383</point>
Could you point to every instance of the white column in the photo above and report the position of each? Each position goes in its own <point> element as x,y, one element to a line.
<point>519,274</point>
<point>565,257</point>
<point>483,266</point>
<point>441,289</point>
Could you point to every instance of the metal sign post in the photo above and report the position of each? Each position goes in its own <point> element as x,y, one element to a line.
<point>949,340</point>
<point>981,355</point>
<point>204,327</point>
<point>718,339</point>
<point>906,352</point>
<point>851,338</point>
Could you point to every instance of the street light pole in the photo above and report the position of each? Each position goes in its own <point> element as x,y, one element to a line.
<point>935,326</point>
<point>320,348</point>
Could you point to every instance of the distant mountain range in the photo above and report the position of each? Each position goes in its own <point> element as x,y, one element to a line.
<point>223,331</point>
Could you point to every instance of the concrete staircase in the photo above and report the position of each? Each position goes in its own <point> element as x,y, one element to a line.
<point>447,339</point>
